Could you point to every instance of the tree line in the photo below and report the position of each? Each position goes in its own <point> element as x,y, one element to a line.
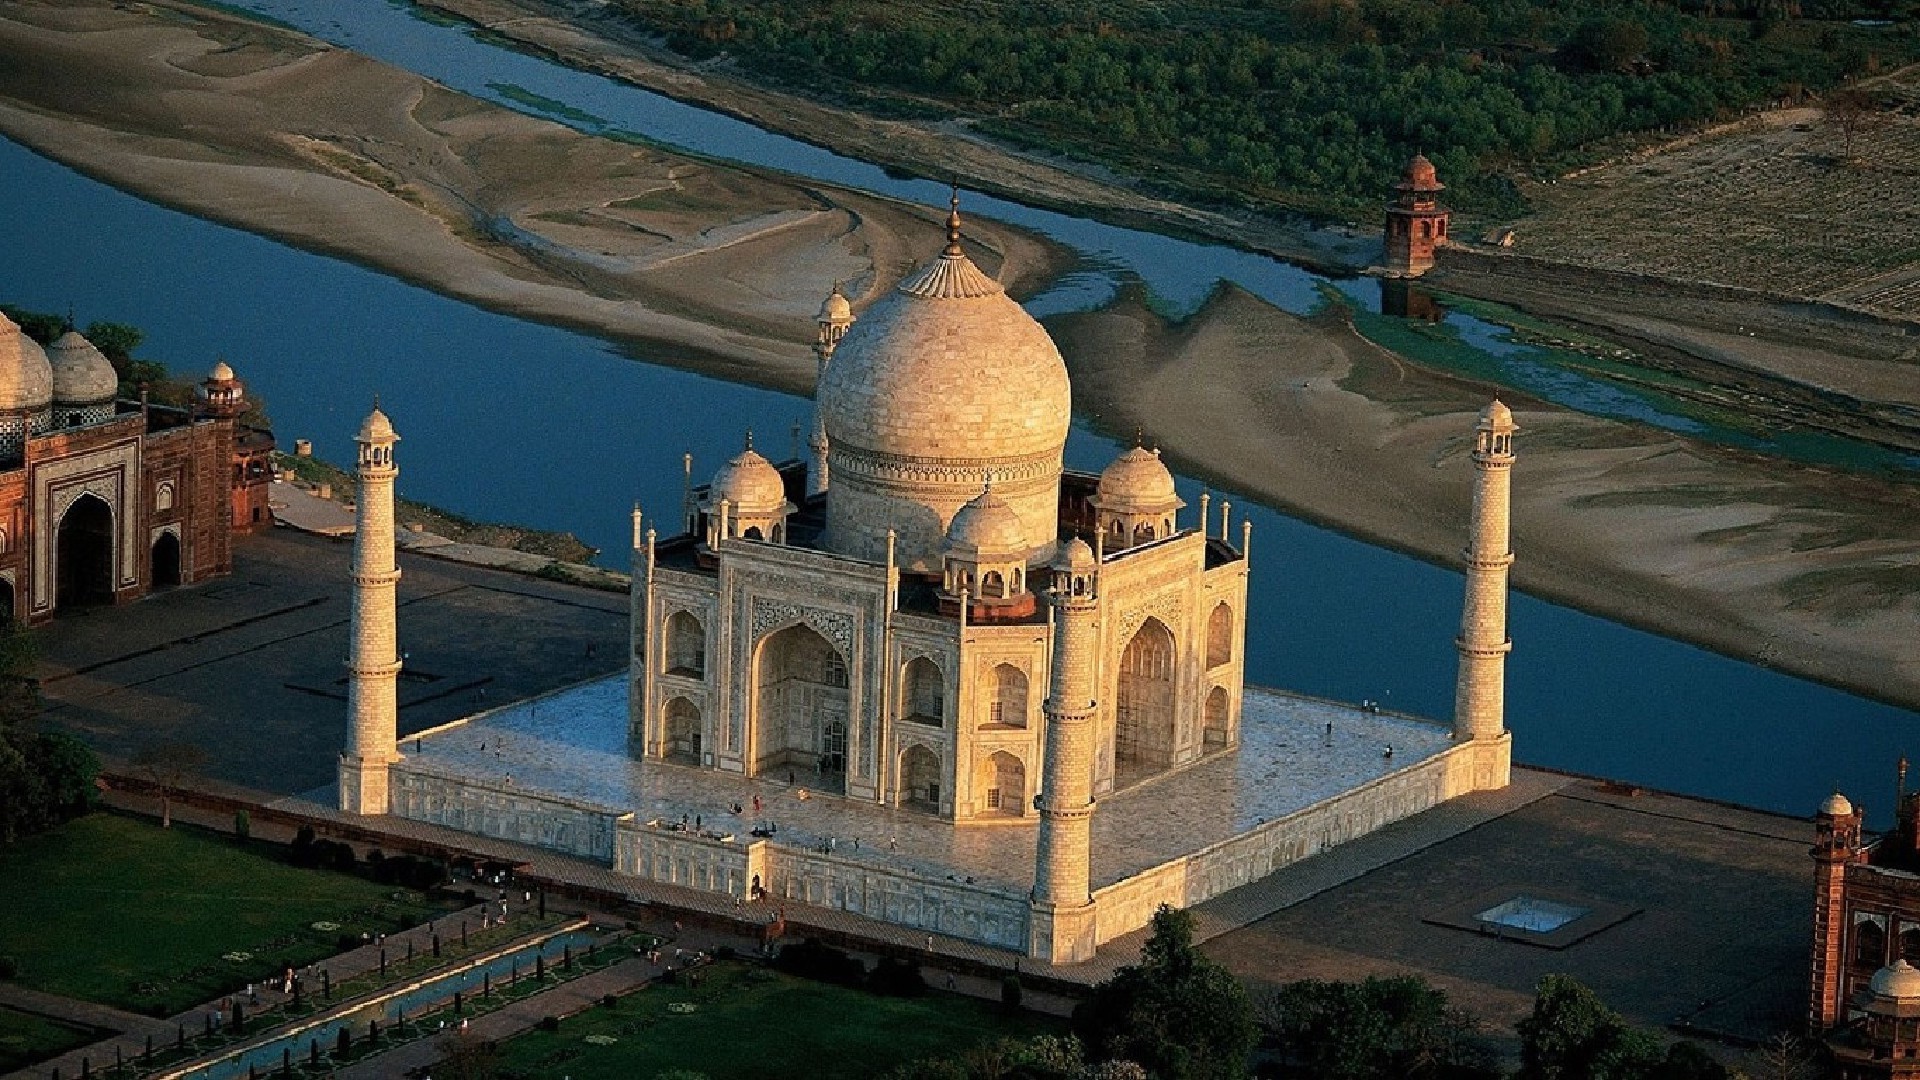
<point>1178,1015</point>
<point>1313,103</point>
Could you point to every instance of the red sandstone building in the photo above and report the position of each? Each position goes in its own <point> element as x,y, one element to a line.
<point>1416,223</point>
<point>103,500</point>
<point>1865,999</point>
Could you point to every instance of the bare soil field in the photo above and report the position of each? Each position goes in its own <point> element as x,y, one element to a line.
<point>720,268</point>
<point>1780,204</point>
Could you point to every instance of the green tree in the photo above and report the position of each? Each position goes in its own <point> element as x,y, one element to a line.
<point>1572,1035</point>
<point>1176,1012</point>
<point>1380,1028</point>
<point>46,777</point>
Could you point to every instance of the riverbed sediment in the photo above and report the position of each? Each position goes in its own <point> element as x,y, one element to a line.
<point>719,269</point>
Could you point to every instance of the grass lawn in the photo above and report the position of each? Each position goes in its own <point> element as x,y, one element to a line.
<point>122,912</point>
<point>752,1023</point>
<point>26,1039</point>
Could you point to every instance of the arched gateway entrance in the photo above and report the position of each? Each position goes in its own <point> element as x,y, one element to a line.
<point>83,554</point>
<point>800,707</point>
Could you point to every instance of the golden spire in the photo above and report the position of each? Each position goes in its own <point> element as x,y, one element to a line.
<point>953,223</point>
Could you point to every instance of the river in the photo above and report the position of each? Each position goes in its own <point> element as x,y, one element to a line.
<point>511,420</point>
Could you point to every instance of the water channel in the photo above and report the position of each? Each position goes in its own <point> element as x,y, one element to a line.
<point>434,993</point>
<point>511,420</point>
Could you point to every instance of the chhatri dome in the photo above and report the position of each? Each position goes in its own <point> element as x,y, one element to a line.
<point>81,372</point>
<point>748,483</point>
<point>1898,981</point>
<point>942,387</point>
<point>987,524</point>
<point>26,378</point>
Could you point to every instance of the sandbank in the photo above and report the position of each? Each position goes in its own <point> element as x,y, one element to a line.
<point>719,269</point>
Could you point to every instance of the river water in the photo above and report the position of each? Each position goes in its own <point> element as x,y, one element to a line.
<point>511,420</point>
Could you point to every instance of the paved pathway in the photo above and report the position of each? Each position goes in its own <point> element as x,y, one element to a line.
<point>563,1000</point>
<point>84,1013</point>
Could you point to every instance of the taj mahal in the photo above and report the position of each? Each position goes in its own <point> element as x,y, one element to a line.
<point>930,675</point>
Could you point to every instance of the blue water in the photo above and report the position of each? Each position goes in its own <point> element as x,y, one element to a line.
<point>1178,275</point>
<point>267,1057</point>
<point>509,420</point>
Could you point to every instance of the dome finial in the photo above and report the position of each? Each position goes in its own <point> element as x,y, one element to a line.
<point>749,445</point>
<point>953,222</point>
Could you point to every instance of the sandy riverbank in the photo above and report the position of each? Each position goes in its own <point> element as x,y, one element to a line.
<point>720,269</point>
<point>712,267</point>
<point>1804,569</point>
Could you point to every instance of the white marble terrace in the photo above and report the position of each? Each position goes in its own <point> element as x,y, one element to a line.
<point>574,744</point>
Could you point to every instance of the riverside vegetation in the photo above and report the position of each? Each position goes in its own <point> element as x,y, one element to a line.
<point>1313,104</point>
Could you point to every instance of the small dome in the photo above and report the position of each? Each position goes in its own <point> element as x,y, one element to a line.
<point>82,374</point>
<point>1137,482</point>
<point>1837,806</point>
<point>750,483</point>
<point>836,309</point>
<point>26,378</point>
<point>1497,417</point>
<point>376,426</point>
<point>987,524</point>
<point>220,373</point>
<point>1075,556</point>
<point>1420,176</point>
<point>1898,980</point>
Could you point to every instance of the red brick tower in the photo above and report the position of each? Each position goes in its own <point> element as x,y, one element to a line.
<point>1836,845</point>
<point>224,395</point>
<point>1416,224</point>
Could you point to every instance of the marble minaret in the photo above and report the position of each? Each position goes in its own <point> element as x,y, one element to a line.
<point>1479,704</point>
<point>1063,928</point>
<point>836,315</point>
<point>373,659</point>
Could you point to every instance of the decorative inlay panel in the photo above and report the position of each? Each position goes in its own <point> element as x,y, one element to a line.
<point>836,627</point>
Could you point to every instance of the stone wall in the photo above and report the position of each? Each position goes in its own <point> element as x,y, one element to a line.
<point>1129,904</point>
<point>577,828</point>
<point>901,898</point>
<point>691,859</point>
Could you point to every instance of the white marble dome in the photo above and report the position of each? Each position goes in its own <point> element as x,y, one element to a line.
<point>376,427</point>
<point>82,374</point>
<point>836,309</point>
<point>221,372</point>
<point>987,525</point>
<point>943,386</point>
<point>1898,980</point>
<point>750,483</point>
<point>26,377</point>
<point>948,367</point>
<point>1075,557</point>
<point>1137,482</point>
<point>1837,805</point>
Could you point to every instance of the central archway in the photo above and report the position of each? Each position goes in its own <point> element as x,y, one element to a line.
<point>83,554</point>
<point>1143,713</point>
<point>800,707</point>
